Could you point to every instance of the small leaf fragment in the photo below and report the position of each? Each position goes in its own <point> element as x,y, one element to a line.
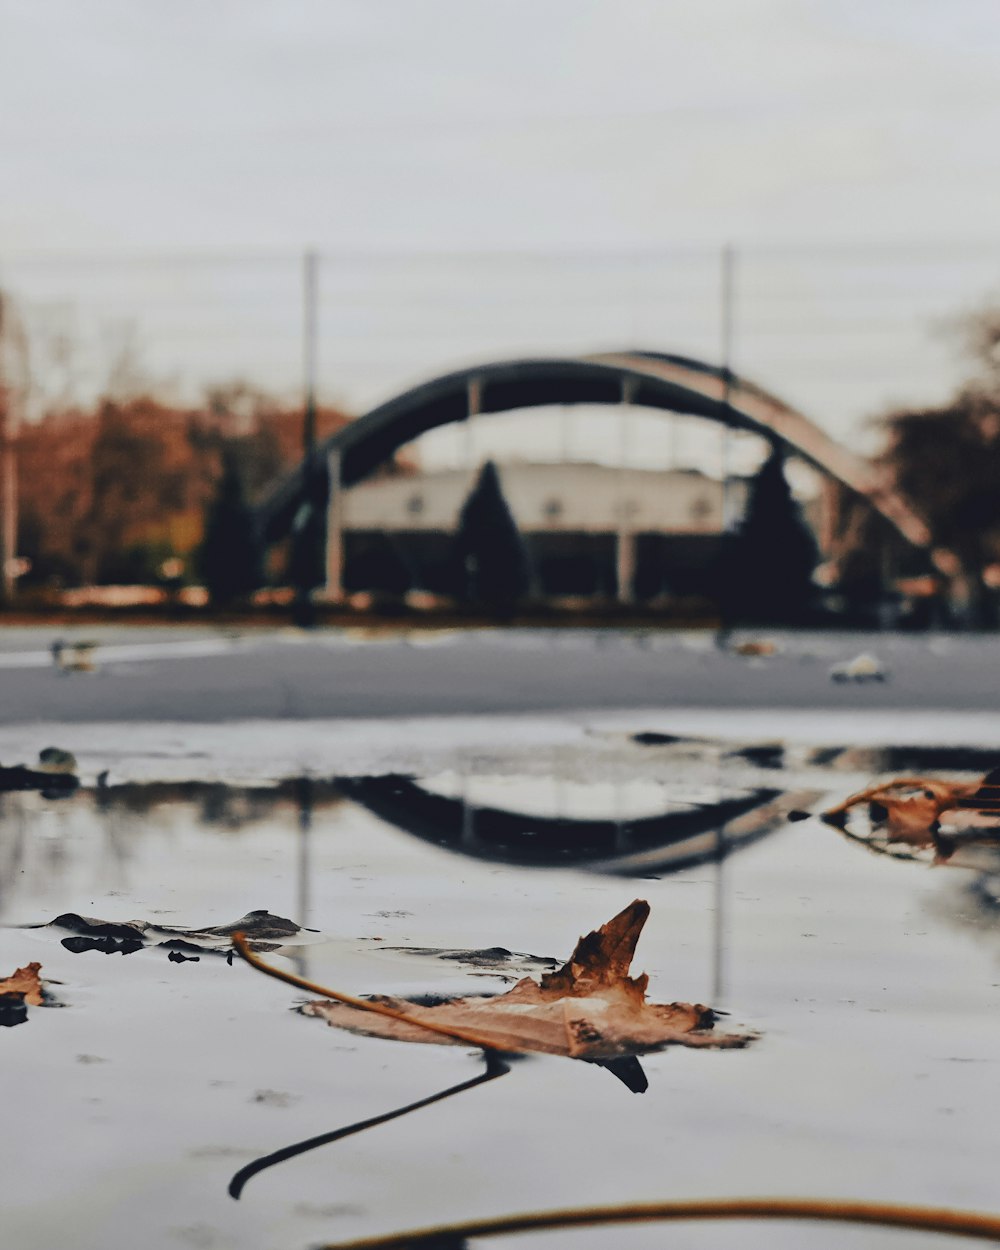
<point>913,810</point>
<point>23,988</point>
<point>26,982</point>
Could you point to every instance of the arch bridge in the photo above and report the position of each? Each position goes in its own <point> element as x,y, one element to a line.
<point>651,380</point>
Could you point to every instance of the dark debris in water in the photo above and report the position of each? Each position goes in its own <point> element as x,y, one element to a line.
<point>930,759</point>
<point>51,784</point>
<point>13,1010</point>
<point>493,958</point>
<point>264,932</point>
<point>908,759</point>
<point>85,926</point>
<point>767,755</point>
<point>54,775</point>
<point>106,944</point>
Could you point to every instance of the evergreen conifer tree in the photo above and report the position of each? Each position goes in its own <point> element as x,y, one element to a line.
<point>229,556</point>
<point>491,559</point>
<point>767,570</point>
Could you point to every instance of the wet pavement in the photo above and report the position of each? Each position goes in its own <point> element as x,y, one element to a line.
<point>450,855</point>
<point>197,674</point>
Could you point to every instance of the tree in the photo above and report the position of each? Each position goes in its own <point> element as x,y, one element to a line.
<point>946,461</point>
<point>768,566</point>
<point>491,559</point>
<point>120,495</point>
<point>230,557</point>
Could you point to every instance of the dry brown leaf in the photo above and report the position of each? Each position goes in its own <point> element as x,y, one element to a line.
<point>913,810</point>
<point>25,981</point>
<point>755,647</point>
<point>588,1009</point>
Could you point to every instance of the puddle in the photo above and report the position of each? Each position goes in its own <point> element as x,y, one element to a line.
<point>171,1076</point>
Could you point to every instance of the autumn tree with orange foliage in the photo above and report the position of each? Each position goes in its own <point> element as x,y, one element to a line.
<point>946,461</point>
<point>107,495</point>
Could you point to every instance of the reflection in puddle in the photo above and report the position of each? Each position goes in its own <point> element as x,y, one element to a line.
<point>899,759</point>
<point>947,822</point>
<point>661,825</point>
<point>627,1070</point>
<point>87,839</point>
<point>676,818</point>
<point>496,1066</point>
<point>630,827</point>
<point>217,804</point>
<point>687,832</point>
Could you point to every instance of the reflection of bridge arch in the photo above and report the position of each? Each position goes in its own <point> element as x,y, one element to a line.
<point>666,842</point>
<point>670,383</point>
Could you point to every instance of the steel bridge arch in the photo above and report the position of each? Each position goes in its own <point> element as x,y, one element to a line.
<point>652,380</point>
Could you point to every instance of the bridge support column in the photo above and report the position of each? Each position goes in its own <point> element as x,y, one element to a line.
<point>8,498</point>
<point>473,407</point>
<point>830,519</point>
<point>625,539</point>
<point>334,589</point>
<point>625,565</point>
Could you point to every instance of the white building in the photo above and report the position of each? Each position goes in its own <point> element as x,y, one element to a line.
<point>590,529</point>
<point>577,498</point>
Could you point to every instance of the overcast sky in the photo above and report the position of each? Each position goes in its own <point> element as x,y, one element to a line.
<point>610,147</point>
<point>494,124</point>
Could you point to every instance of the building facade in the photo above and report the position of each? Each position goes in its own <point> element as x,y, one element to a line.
<point>590,530</point>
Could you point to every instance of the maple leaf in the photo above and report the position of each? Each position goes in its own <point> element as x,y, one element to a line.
<point>590,1008</point>
<point>25,981</point>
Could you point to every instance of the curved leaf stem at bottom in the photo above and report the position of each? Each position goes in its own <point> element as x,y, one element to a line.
<point>827,1210</point>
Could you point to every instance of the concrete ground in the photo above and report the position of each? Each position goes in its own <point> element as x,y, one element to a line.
<point>203,675</point>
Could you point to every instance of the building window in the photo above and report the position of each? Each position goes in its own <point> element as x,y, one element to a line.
<point>700,509</point>
<point>552,509</point>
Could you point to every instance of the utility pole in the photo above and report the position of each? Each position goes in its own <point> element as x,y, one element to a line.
<point>625,541</point>
<point>334,591</point>
<point>728,524</point>
<point>310,318</point>
<point>304,794</point>
<point>728,274</point>
<point>473,407</point>
<point>306,530</point>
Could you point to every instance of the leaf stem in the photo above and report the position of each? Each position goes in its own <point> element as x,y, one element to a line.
<point>364,1004</point>
<point>889,1215</point>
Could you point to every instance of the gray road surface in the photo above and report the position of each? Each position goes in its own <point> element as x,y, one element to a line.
<point>198,675</point>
